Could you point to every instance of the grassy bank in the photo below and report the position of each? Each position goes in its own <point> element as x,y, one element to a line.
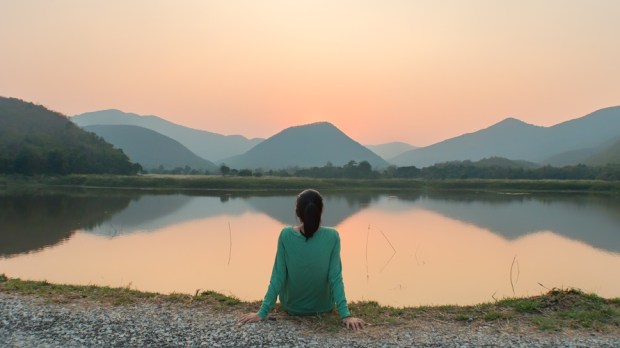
<point>555,310</point>
<point>296,184</point>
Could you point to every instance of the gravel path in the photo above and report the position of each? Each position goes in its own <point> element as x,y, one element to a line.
<point>27,321</point>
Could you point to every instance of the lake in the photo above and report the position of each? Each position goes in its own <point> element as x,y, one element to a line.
<point>404,249</point>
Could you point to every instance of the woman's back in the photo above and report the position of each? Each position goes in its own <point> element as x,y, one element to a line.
<point>307,273</point>
<point>307,287</point>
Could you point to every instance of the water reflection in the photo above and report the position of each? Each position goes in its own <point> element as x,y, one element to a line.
<point>154,212</point>
<point>594,220</point>
<point>35,221</point>
<point>401,250</point>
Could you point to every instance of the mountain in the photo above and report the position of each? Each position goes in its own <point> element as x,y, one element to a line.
<point>497,162</point>
<point>610,155</point>
<point>306,146</point>
<point>208,145</point>
<point>390,150</point>
<point>149,148</point>
<point>517,140</point>
<point>35,140</point>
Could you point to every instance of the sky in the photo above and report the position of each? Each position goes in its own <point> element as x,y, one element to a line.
<point>381,71</point>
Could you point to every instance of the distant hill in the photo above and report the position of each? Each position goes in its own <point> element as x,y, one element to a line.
<point>208,145</point>
<point>151,149</point>
<point>502,163</point>
<point>35,140</point>
<point>610,155</point>
<point>518,140</point>
<point>306,146</point>
<point>390,150</point>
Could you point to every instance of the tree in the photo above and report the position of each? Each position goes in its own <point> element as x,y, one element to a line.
<point>224,169</point>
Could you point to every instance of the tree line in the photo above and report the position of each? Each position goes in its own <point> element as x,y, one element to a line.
<point>35,140</point>
<point>448,170</point>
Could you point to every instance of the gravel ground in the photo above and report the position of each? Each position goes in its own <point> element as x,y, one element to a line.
<point>27,321</point>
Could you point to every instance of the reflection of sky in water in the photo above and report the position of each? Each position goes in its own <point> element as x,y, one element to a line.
<point>590,220</point>
<point>150,213</point>
<point>407,250</point>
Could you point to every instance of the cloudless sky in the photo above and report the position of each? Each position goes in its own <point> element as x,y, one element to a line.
<point>389,70</point>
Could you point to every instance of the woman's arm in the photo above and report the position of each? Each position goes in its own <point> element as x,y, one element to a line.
<point>278,274</point>
<point>337,286</point>
<point>335,280</point>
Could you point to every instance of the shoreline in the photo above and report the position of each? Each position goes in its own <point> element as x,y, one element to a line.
<point>242,184</point>
<point>36,314</point>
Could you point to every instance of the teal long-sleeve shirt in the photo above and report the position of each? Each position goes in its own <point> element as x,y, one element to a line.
<point>307,275</point>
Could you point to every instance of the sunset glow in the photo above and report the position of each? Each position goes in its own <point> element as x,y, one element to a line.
<point>413,71</point>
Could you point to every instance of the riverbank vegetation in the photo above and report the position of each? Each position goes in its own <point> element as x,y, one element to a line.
<point>488,168</point>
<point>272,183</point>
<point>558,309</point>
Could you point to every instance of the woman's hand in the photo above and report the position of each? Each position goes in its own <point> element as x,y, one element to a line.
<point>249,318</point>
<point>353,323</point>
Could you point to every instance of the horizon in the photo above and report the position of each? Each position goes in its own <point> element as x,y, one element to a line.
<point>407,71</point>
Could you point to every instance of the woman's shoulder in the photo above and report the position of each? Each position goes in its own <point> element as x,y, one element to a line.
<point>289,231</point>
<point>329,231</point>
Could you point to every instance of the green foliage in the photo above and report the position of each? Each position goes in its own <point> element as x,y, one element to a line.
<point>496,168</point>
<point>224,169</point>
<point>488,168</point>
<point>522,305</point>
<point>220,298</point>
<point>567,308</point>
<point>491,316</point>
<point>35,140</point>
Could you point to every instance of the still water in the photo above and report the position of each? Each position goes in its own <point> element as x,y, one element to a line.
<point>401,250</point>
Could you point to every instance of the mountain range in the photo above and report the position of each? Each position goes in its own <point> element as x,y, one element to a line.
<point>306,146</point>
<point>208,145</point>
<point>589,139</point>
<point>151,149</point>
<point>567,143</point>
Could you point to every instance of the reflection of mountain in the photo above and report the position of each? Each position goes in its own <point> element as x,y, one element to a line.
<point>30,222</point>
<point>336,207</point>
<point>153,212</point>
<point>594,220</point>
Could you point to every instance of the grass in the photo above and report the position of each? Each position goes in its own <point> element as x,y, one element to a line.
<point>214,182</point>
<point>556,310</point>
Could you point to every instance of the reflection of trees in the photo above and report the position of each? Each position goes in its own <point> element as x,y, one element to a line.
<point>593,219</point>
<point>30,222</point>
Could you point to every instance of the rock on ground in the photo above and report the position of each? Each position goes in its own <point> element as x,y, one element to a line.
<point>27,321</point>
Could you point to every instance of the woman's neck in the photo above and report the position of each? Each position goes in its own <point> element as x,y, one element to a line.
<point>300,229</point>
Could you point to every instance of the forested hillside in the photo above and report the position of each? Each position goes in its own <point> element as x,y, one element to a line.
<point>35,140</point>
<point>151,149</point>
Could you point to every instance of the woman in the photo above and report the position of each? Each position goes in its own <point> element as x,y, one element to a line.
<point>307,272</point>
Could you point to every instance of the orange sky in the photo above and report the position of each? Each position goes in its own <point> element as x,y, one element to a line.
<point>406,70</point>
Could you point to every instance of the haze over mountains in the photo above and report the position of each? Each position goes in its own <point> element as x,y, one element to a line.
<point>589,139</point>
<point>151,149</point>
<point>567,143</point>
<point>32,141</point>
<point>391,150</point>
<point>208,145</point>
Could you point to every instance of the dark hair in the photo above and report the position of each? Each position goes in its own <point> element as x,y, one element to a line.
<point>309,209</point>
